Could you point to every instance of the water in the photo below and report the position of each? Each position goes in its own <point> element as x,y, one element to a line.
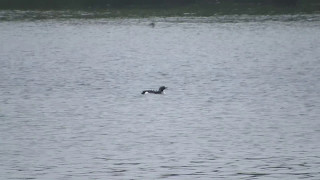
<point>243,98</point>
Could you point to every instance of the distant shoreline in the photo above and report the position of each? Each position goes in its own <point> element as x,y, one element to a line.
<point>34,15</point>
<point>185,8</point>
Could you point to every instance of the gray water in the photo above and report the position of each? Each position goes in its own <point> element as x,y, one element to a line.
<point>243,99</point>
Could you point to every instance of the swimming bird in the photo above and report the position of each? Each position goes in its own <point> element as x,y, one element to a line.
<point>160,91</point>
<point>152,24</point>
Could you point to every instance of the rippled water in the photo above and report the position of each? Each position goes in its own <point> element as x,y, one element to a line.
<point>243,98</point>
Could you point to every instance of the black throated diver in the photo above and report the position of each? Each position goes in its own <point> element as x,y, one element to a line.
<point>160,91</point>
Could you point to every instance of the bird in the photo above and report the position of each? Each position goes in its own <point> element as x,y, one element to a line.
<point>152,24</point>
<point>160,91</point>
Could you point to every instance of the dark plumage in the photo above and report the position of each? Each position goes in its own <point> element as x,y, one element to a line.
<point>152,24</point>
<point>160,91</point>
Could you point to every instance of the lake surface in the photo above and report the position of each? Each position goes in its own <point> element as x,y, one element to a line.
<point>243,98</point>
